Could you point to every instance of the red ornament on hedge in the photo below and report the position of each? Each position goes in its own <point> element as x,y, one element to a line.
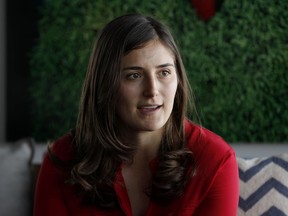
<point>206,9</point>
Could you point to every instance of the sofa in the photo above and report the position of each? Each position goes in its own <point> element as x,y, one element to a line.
<point>15,181</point>
<point>263,175</point>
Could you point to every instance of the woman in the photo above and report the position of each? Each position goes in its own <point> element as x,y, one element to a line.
<point>133,152</point>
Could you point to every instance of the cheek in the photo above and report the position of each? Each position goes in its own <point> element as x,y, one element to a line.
<point>171,92</point>
<point>172,95</point>
<point>126,96</point>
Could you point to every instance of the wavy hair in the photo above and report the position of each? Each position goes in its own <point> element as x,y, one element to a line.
<point>99,151</point>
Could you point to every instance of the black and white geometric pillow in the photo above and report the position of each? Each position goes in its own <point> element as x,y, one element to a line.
<point>263,186</point>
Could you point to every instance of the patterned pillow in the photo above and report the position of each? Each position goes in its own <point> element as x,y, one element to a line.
<point>263,186</point>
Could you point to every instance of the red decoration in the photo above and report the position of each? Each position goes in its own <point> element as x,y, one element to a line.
<point>206,9</point>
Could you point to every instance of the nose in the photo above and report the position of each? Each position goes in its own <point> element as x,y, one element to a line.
<point>151,87</point>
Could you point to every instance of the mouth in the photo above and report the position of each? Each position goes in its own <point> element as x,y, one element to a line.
<point>149,108</point>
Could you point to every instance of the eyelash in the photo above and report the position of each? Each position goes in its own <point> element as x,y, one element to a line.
<point>166,72</point>
<point>133,76</point>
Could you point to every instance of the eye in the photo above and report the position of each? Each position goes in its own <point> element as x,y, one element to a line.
<point>165,73</point>
<point>133,76</point>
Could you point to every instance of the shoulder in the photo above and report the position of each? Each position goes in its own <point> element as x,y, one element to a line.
<point>214,164</point>
<point>207,146</point>
<point>63,148</point>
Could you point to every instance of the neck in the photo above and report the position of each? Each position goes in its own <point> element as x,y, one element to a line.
<point>147,144</point>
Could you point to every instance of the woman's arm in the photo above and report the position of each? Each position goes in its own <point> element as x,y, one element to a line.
<point>222,198</point>
<point>48,199</point>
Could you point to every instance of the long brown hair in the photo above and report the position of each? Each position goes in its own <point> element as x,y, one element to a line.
<point>99,151</point>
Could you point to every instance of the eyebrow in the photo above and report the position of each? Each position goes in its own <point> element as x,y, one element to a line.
<point>140,68</point>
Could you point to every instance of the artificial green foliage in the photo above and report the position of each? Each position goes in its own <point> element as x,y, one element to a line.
<point>237,63</point>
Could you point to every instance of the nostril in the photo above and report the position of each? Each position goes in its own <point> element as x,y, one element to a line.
<point>152,92</point>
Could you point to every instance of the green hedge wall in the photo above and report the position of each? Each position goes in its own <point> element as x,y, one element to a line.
<point>237,63</point>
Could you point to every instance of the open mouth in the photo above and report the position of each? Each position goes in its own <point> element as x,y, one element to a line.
<point>149,108</point>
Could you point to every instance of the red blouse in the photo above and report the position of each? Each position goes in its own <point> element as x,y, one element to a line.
<point>214,190</point>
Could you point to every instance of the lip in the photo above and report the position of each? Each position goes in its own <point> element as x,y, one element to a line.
<point>149,108</point>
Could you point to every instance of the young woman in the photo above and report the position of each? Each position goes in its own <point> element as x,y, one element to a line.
<point>133,151</point>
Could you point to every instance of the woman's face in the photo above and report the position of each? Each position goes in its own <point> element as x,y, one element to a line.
<point>147,88</point>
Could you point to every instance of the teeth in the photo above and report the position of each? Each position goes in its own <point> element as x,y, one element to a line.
<point>150,107</point>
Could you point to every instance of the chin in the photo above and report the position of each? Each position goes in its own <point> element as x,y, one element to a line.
<point>152,128</point>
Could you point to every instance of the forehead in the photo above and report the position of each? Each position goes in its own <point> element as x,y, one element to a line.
<point>150,53</point>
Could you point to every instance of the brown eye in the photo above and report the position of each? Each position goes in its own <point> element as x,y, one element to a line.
<point>165,73</point>
<point>133,76</point>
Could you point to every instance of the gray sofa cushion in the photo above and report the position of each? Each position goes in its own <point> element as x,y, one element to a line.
<point>15,184</point>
